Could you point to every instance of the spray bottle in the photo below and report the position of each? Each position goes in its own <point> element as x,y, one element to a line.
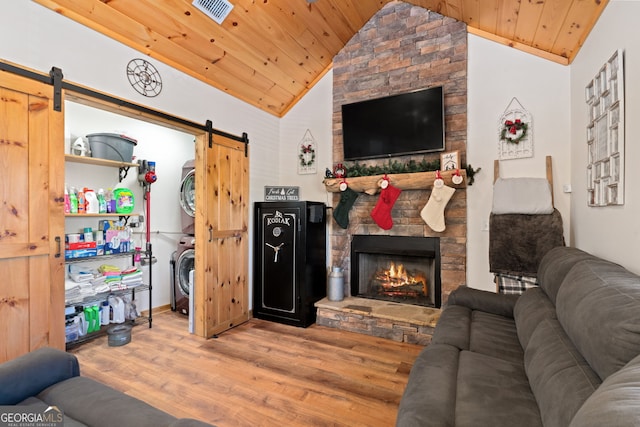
<point>102,203</point>
<point>73,201</point>
<point>67,201</point>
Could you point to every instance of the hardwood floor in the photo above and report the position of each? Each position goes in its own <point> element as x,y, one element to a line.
<point>257,374</point>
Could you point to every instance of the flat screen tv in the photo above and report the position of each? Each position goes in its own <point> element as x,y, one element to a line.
<point>396,125</point>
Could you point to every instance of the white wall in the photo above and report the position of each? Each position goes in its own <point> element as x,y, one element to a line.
<point>610,232</point>
<point>497,74</point>
<point>313,113</point>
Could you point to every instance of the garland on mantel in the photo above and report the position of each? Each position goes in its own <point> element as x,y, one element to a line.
<point>360,169</point>
<point>392,167</point>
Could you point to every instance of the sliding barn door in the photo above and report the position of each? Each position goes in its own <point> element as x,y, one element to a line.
<point>31,218</point>
<point>222,243</point>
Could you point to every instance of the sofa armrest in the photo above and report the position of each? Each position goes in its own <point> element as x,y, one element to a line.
<point>31,373</point>
<point>486,301</point>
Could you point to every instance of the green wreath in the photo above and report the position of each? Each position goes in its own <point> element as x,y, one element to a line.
<point>304,149</point>
<point>510,130</point>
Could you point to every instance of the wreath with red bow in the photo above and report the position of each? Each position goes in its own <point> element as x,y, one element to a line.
<point>307,155</point>
<point>514,131</point>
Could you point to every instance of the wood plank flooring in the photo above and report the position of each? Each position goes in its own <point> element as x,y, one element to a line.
<point>257,374</point>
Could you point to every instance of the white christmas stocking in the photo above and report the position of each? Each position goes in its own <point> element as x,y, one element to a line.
<point>433,211</point>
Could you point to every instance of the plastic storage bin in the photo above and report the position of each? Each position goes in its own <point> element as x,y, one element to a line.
<point>119,335</point>
<point>112,146</point>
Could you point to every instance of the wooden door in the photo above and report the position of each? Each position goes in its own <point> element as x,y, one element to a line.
<point>222,242</point>
<point>31,218</point>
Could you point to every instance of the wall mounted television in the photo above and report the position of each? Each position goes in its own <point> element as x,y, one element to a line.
<point>396,125</point>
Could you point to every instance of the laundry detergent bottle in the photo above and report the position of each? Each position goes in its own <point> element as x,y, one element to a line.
<point>91,201</point>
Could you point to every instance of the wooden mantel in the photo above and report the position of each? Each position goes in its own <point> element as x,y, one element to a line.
<point>403,181</point>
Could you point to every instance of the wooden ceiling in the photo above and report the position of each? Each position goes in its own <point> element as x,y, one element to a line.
<point>269,53</point>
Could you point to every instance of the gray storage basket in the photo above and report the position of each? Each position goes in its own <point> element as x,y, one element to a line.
<point>111,146</point>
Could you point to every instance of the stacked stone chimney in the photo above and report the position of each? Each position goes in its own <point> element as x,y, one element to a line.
<point>401,49</point>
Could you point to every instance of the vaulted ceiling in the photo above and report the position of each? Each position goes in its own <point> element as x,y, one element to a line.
<point>269,53</point>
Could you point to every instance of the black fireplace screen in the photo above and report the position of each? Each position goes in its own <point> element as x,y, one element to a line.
<point>396,268</point>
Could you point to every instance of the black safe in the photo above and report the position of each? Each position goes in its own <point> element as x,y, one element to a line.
<point>289,261</point>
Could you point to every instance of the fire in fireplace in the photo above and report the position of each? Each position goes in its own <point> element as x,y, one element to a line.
<point>396,280</point>
<point>396,268</point>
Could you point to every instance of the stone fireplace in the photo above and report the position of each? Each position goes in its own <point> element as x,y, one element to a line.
<point>396,268</point>
<point>404,48</point>
<point>400,49</point>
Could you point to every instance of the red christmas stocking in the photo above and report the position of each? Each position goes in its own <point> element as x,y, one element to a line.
<point>381,213</point>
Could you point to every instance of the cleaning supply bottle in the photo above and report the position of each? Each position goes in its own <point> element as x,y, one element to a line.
<point>67,201</point>
<point>137,257</point>
<point>105,313</point>
<point>73,201</point>
<point>95,317</point>
<point>88,314</point>
<point>91,200</point>
<point>110,202</point>
<point>88,234</point>
<point>117,309</point>
<point>81,202</point>
<point>102,204</point>
<point>125,201</point>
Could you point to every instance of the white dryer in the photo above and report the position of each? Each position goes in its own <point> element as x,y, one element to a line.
<point>188,197</point>
<point>182,274</point>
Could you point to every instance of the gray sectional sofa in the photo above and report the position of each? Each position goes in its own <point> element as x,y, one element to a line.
<point>48,377</point>
<point>564,354</point>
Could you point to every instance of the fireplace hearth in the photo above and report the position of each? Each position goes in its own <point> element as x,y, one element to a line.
<point>402,269</point>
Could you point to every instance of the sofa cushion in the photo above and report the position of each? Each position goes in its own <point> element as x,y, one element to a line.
<point>559,376</point>
<point>97,405</point>
<point>493,392</point>
<point>429,399</point>
<point>478,331</point>
<point>37,404</point>
<point>554,267</point>
<point>615,402</point>
<point>597,306</point>
<point>532,308</point>
<point>495,336</point>
<point>453,327</point>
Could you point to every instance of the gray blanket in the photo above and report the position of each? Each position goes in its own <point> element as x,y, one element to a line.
<point>518,242</point>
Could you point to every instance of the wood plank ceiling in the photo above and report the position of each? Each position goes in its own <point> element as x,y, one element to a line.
<point>269,53</point>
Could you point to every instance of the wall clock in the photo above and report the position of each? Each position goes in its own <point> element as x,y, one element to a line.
<point>144,77</point>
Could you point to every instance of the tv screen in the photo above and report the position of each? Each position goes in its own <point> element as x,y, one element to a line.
<point>408,123</point>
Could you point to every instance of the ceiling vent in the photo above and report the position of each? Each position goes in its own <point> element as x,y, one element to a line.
<point>214,9</point>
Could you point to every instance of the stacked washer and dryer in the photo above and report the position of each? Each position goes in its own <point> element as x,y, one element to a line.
<point>183,259</point>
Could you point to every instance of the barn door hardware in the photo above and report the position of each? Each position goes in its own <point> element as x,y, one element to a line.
<point>209,126</point>
<point>56,80</point>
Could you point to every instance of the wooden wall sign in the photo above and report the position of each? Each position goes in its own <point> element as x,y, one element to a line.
<point>515,132</point>
<point>281,194</point>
